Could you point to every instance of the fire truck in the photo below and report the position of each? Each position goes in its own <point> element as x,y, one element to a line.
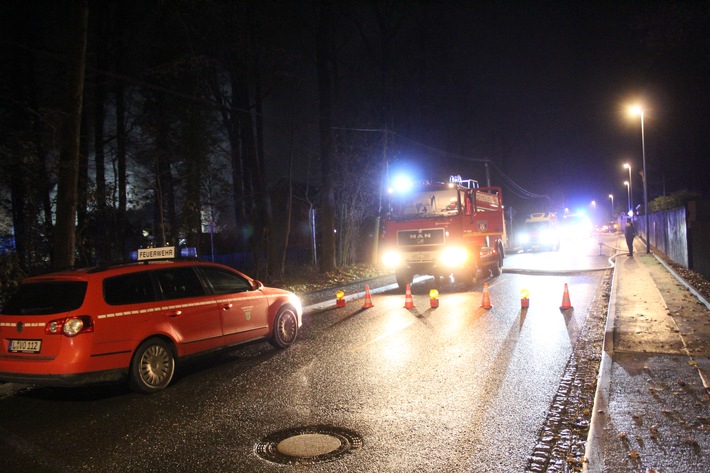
<point>443,229</point>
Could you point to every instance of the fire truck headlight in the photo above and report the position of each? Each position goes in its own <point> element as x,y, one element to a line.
<point>524,238</point>
<point>453,256</point>
<point>391,258</point>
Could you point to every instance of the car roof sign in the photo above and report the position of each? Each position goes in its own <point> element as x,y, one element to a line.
<point>166,252</point>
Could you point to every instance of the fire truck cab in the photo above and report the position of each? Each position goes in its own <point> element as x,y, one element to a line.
<point>442,229</point>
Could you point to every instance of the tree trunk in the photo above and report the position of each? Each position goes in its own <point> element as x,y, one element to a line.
<point>264,196</point>
<point>324,62</point>
<point>65,237</point>
<point>121,151</point>
<point>82,195</point>
<point>102,247</point>
<point>289,206</point>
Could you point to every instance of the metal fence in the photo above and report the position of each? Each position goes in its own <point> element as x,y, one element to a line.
<point>682,234</point>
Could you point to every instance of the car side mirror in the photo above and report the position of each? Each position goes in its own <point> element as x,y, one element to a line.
<point>258,285</point>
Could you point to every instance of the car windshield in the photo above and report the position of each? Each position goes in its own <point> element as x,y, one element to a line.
<point>43,298</point>
<point>537,226</point>
<point>426,204</point>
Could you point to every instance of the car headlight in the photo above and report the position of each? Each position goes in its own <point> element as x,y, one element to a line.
<point>453,256</point>
<point>391,258</point>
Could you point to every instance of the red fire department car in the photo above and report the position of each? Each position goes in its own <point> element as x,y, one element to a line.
<point>136,321</point>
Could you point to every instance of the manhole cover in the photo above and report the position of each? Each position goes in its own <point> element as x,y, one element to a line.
<point>307,445</point>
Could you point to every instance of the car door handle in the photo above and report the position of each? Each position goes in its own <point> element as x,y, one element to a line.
<point>227,306</point>
<point>173,313</point>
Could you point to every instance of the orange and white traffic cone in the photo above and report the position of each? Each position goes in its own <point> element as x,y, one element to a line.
<point>340,299</point>
<point>368,299</point>
<point>486,302</point>
<point>408,301</point>
<point>566,304</point>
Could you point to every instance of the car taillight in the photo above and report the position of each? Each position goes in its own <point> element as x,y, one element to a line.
<point>70,326</point>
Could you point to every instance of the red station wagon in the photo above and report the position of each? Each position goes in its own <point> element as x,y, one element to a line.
<point>136,321</point>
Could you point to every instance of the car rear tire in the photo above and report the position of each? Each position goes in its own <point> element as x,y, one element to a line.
<point>152,367</point>
<point>285,329</point>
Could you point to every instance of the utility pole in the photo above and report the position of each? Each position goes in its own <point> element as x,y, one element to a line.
<point>378,217</point>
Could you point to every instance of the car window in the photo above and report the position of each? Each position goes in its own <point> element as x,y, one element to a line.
<point>131,288</point>
<point>537,226</point>
<point>176,283</point>
<point>225,282</point>
<point>42,298</point>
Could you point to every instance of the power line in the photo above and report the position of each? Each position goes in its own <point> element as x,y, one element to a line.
<point>512,186</point>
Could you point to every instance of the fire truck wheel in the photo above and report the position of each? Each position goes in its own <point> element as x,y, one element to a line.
<point>403,278</point>
<point>496,268</point>
<point>465,277</point>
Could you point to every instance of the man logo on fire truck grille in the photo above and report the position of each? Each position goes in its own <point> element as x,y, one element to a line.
<point>419,236</point>
<point>431,236</point>
<point>482,226</point>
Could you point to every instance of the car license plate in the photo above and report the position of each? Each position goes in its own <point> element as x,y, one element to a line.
<point>25,346</point>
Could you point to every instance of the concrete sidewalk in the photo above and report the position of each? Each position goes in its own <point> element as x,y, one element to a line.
<point>652,406</point>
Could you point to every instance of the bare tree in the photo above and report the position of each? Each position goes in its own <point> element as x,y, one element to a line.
<point>325,78</point>
<point>65,235</point>
<point>356,197</point>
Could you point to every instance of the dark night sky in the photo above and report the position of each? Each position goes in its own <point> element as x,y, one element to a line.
<point>542,90</point>
<point>537,87</point>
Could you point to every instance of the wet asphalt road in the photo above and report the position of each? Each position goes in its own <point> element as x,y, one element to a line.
<point>456,388</point>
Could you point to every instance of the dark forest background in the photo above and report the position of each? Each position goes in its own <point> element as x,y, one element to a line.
<point>267,129</point>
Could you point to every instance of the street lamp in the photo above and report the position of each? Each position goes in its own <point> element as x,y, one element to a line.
<point>612,206</point>
<point>628,195</point>
<point>631,188</point>
<point>637,110</point>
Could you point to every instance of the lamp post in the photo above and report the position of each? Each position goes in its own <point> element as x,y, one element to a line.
<point>631,189</point>
<point>612,206</point>
<point>628,196</point>
<point>637,110</point>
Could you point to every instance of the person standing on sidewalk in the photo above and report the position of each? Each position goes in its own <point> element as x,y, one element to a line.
<point>630,233</point>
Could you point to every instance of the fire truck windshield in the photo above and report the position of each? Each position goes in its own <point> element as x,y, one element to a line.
<point>425,204</point>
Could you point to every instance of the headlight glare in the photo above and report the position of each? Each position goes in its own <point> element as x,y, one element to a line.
<point>391,258</point>
<point>453,256</point>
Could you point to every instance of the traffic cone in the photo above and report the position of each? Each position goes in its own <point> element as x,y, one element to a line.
<point>340,299</point>
<point>486,303</point>
<point>566,304</point>
<point>368,299</point>
<point>408,301</point>
<point>434,298</point>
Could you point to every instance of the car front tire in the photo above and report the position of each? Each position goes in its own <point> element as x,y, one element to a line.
<point>152,367</point>
<point>285,329</point>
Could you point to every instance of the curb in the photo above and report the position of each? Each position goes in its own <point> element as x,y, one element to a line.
<point>601,397</point>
